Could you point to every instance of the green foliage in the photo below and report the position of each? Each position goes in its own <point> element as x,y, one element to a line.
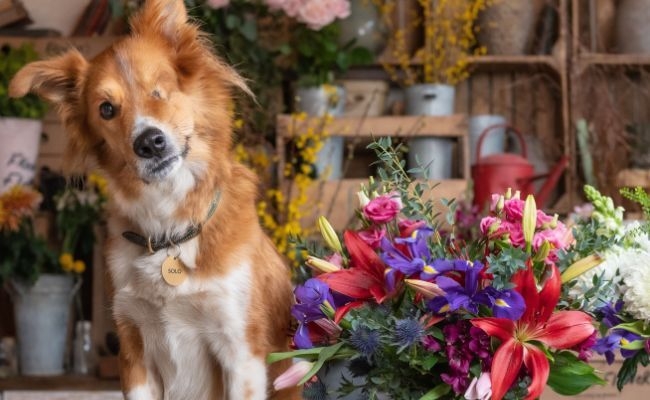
<point>13,59</point>
<point>628,370</point>
<point>569,376</point>
<point>639,196</point>
<point>394,176</point>
<point>319,57</point>
<point>24,255</point>
<point>504,264</point>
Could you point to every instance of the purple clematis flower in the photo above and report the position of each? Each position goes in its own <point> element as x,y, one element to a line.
<point>311,299</point>
<point>614,341</point>
<point>504,304</point>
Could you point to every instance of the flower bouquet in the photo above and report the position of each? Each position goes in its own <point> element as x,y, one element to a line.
<point>417,312</point>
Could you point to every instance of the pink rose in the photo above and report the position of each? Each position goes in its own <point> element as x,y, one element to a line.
<point>383,208</point>
<point>372,237</point>
<point>340,8</point>
<point>316,14</point>
<point>514,209</point>
<point>543,219</point>
<point>486,224</point>
<point>514,231</point>
<point>290,7</point>
<point>560,237</point>
<point>217,3</point>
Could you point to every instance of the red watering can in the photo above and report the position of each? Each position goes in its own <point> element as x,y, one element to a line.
<point>498,172</point>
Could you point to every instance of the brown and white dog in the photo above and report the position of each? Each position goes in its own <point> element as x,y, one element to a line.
<point>152,112</point>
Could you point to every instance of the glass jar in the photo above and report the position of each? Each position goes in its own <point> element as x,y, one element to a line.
<point>83,357</point>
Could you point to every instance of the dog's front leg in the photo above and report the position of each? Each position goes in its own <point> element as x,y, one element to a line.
<point>244,374</point>
<point>134,377</point>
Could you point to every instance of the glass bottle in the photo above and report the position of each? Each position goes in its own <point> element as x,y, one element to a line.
<point>83,357</point>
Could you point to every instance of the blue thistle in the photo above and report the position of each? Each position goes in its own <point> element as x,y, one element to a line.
<point>365,340</point>
<point>407,333</point>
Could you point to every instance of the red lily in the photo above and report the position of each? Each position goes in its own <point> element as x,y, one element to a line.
<point>538,324</point>
<point>365,277</point>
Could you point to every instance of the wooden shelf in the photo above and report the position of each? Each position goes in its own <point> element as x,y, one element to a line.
<point>403,126</point>
<point>502,63</point>
<point>608,59</point>
<point>62,382</point>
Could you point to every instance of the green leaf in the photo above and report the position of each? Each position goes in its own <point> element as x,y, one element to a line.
<point>304,353</point>
<point>638,327</point>
<point>570,376</point>
<point>437,392</point>
<point>232,21</point>
<point>325,354</point>
<point>429,362</point>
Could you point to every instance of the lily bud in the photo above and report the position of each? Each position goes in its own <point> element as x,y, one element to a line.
<point>292,376</point>
<point>508,194</point>
<point>427,289</point>
<point>553,223</point>
<point>542,252</point>
<point>529,219</point>
<point>321,265</point>
<point>581,266</point>
<point>500,203</point>
<point>330,236</point>
<point>363,199</point>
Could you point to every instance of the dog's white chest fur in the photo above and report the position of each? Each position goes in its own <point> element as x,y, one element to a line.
<point>188,329</point>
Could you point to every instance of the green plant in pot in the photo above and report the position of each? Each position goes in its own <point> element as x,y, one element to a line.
<point>20,121</point>
<point>42,284</point>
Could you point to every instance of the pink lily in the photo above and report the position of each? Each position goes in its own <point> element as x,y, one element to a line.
<point>520,339</point>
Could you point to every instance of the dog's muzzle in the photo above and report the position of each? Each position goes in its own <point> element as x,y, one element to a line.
<point>150,143</point>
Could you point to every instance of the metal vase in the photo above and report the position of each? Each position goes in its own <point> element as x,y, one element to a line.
<point>42,312</point>
<point>433,153</point>
<point>494,143</point>
<point>317,101</point>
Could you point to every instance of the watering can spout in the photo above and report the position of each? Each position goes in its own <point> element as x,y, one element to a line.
<point>552,179</point>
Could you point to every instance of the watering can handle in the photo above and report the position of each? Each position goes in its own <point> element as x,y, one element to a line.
<point>522,142</point>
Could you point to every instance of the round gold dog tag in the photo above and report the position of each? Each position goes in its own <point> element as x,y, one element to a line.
<point>174,271</point>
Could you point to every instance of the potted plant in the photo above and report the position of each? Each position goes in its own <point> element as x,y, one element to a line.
<point>20,121</point>
<point>430,88</point>
<point>42,285</point>
<point>317,58</point>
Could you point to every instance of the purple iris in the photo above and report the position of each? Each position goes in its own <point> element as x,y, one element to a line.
<point>417,253</point>
<point>311,297</point>
<point>504,304</point>
<point>411,256</point>
<point>614,341</point>
<point>609,314</point>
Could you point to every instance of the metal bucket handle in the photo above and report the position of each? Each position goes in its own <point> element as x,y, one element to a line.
<point>509,128</point>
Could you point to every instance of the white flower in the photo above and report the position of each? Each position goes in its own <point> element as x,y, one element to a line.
<point>634,268</point>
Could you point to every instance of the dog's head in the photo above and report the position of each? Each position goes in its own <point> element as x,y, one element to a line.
<point>151,105</point>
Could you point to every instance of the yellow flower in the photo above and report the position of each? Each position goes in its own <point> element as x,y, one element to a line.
<point>79,267</point>
<point>66,261</point>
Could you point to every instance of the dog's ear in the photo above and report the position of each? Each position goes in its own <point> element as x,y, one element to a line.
<point>165,17</point>
<point>56,80</point>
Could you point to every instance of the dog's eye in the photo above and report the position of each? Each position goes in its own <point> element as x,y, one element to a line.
<point>106,110</point>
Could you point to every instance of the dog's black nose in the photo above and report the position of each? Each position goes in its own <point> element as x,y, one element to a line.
<point>151,143</point>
